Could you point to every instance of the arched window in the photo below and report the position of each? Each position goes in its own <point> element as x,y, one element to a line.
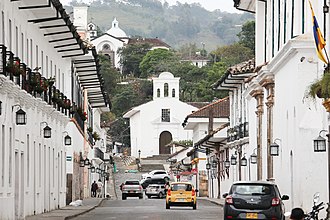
<point>158,92</point>
<point>106,47</point>
<point>91,27</point>
<point>173,92</point>
<point>166,90</point>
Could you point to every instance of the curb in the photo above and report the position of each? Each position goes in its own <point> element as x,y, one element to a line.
<point>214,202</point>
<point>85,211</point>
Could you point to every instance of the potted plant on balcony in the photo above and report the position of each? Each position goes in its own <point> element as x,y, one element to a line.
<point>321,88</point>
<point>82,114</point>
<point>13,67</point>
<point>55,97</point>
<point>67,104</point>
<point>50,81</point>
<point>96,136</point>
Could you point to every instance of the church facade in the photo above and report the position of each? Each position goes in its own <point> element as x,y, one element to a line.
<point>155,124</point>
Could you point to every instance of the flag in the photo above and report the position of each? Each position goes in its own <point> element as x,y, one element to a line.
<point>318,38</point>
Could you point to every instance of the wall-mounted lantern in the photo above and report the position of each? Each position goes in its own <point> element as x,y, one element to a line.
<point>233,160</point>
<point>274,148</point>
<point>47,131</point>
<point>227,163</point>
<point>320,143</point>
<point>244,161</point>
<point>253,158</point>
<point>20,116</point>
<point>67,138</point>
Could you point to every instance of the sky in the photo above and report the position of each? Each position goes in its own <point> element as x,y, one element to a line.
<point>223,5</point>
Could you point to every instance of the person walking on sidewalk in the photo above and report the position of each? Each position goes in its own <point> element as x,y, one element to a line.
<point>94,189</point>
<point>99,188</point>
<point>297,214</point>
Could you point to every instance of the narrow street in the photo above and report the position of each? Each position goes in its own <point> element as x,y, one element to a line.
<point>133,208</point>
<point>154,208</point>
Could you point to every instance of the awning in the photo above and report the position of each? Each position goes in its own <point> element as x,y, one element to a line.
<point>51,18</point>
<point>89,77</point>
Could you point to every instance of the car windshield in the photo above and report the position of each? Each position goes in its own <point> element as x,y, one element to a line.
<point>185,187</point>
<point>251,189</point>
<point>132,183</point>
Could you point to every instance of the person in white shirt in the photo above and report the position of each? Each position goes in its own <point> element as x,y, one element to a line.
<point>99,188</point>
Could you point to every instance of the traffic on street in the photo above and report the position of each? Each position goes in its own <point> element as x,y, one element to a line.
<point>134,208</point>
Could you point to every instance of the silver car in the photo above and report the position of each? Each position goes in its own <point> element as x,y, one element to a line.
<point>156,190</point>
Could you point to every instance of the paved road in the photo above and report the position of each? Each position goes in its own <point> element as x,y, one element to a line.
<point>153,209</point>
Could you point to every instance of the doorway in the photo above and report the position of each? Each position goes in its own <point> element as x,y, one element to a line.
<point>164,139</point>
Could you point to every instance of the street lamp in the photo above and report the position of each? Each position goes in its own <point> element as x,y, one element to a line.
<point>227,163</point>
<point>139,151</point>
<point>47,130</point>
<point>253,157</point>
<point>244,161</point>
<point>320,143</point>
<point>20,115</point>
<point>274,148</point>
<point>320,146</point>
<point>208,166</point>
<point>67,139</point>
<point>233,160</point>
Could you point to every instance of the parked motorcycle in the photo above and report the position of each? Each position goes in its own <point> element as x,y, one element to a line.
<point>314,214</point>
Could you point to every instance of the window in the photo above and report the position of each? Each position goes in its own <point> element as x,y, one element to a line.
<point>16,40</point>
<point>165,115</point>
<point>166,90</point>
<point>37,56</point>
<point>28,159</point>
<point>10,35</point>
<point>106,47</point>
<point>158,92</point>
<point>22,47</point>
<point>3,27</point>
<point>3,156</point>
<point>10,156</point>
<point>173,92</point>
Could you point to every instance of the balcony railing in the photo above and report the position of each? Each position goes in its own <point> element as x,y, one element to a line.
<point>35,84</point>
<point>237,132</point>
<point>98,153</point>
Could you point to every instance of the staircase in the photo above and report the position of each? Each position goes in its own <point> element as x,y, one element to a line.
<point>154,162</point>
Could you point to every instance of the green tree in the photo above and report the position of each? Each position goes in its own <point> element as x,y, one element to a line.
<point>131,57</point>
<point>247,35</point>
<point>157,61</point>
<point>233,54</point>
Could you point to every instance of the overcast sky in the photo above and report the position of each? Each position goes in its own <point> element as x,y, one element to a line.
<point>223,5</point>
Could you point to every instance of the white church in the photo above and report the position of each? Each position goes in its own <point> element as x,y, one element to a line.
<point>156,123</point>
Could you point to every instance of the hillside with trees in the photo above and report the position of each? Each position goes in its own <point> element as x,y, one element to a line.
<point>176,25</point>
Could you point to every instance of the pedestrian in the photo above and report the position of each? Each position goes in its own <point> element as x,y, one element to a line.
<point>297,214</point>
<point>99,188</point>
<point>94,188</point>
<point>121,186</point>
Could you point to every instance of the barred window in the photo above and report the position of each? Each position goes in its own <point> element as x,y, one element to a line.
<point>165,115</point>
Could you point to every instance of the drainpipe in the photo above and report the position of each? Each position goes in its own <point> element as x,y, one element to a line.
<point>259,96</point>
<point>269,85</point>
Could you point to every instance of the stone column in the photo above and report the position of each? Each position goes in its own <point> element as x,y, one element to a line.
<point>269,85</point>
<point>259,96</point>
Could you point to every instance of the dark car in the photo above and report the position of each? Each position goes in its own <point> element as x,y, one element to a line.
<point>254,200</point>
<point>159,181</point>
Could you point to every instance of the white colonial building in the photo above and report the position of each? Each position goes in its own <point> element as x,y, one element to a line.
<point>272,95</point>
<point>50,92</point>
<point>158,122</point>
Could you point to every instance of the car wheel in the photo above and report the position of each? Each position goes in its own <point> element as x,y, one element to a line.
<point>195,206</point>
<point>161,195</point>
<point>123,197</point>
<point>149,196</point>
<point>167,206</point>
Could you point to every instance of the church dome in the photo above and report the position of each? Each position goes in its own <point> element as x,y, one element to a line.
<point>115,30</point>
<point>166,75</point>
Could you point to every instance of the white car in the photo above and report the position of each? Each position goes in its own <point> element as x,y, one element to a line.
<point>156,174</point>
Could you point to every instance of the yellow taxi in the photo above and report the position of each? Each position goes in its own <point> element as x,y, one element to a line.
<point>181,194</point>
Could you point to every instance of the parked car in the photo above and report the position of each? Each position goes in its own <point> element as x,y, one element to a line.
<point>146,182</point>
<point>156,187</point>
<point>254,200</point>
<point>156,174</point>
<point>131,188</point>
<point>181,194</point>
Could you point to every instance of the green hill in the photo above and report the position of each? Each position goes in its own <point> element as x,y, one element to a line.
<point>175,25</point>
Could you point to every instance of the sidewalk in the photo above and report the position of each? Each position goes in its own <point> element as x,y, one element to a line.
<point>69,212</point>
<point>216,201</point>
